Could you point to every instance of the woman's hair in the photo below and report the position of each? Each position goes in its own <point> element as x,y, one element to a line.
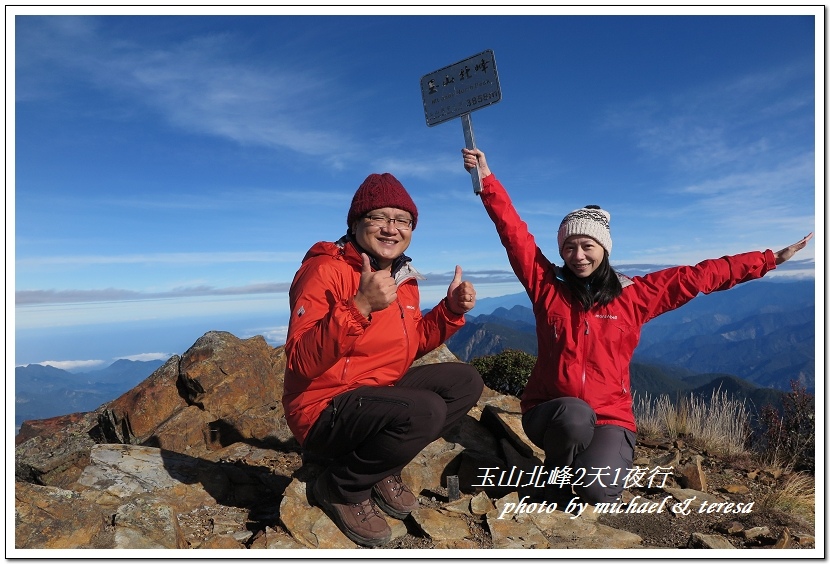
<point>599,288</point>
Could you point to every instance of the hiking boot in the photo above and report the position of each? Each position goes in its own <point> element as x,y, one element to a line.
<point>392,495</point>
<point>361,522</point>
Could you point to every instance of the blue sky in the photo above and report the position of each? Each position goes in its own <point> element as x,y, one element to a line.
<point>170,171</point>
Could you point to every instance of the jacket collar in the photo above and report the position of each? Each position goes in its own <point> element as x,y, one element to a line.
<point>402,270</point>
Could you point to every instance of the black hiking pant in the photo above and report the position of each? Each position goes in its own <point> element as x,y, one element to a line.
<point>599,456</point>
<point>371,432</point>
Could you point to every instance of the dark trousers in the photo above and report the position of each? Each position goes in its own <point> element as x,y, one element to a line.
<point>373,432</point>
<point>566,429</point>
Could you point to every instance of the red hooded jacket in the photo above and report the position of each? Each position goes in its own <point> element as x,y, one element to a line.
<point>586,354</point>
<point>332,348</point>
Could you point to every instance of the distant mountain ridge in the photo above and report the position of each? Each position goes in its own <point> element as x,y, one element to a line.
<point>45,391</point>
<point>760,332</point>
<point>653,381</point>
<point>484,335</point>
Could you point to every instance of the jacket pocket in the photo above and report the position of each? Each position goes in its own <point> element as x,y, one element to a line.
<point>361,400</point>
<point>556,327</point>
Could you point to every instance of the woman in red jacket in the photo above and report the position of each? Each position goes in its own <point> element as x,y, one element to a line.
<point>356,326</point>
<point>577,403</point>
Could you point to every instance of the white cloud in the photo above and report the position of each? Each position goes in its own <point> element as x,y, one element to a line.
<point>39,297</point>
<point>163,258</point>
<point>714,123</point>
<point>144,357</point>
<point>777,197</point>
<point>204,84</point>
<point>213,307</point>
<point>71,365</point>
<point>275,336</point>
<point>778,181</point>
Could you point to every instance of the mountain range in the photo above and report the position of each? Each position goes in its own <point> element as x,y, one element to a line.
<point>45,391</point>
<point>751,341</point>
<point>760,332</point>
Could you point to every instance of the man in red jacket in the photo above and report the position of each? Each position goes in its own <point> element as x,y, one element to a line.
<point>356,327</point>
<point>577,404</point>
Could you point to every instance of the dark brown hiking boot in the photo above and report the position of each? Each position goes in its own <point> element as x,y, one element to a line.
<point>361,522</point>
<point>392,495</point>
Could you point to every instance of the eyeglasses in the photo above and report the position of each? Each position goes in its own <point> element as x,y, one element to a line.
<point>399,223</point>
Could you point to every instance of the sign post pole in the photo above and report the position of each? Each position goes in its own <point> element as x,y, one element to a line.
<point>459,89</point>
<point>470,142</point>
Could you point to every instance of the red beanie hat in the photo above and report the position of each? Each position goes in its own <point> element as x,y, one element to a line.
<point>381,191</point>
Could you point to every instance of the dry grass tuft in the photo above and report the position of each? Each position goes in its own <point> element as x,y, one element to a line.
<point>797,497</point>
<point>720,425</point>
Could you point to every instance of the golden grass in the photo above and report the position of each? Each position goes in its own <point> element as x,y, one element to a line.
<point>796,497</point>
<point>720,425</point>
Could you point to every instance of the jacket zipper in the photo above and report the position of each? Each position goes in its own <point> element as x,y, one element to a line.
<point>345,368</point>
<point>585,354</point>
<point>385,400</point>
<point>405,330</point>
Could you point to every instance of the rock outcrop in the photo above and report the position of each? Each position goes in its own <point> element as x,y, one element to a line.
<point>198,455</point>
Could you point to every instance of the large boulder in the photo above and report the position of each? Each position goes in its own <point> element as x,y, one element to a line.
<point>221,391</point>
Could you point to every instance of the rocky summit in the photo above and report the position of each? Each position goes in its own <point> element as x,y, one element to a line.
<point>198,456</point>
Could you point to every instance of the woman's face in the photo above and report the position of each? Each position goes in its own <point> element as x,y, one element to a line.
<point>582,254</point>
<point>384,239</point>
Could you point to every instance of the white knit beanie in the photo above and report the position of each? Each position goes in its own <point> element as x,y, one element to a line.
<point>591,221</point>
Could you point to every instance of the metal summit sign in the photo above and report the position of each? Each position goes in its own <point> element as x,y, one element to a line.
<point>459,89</point>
